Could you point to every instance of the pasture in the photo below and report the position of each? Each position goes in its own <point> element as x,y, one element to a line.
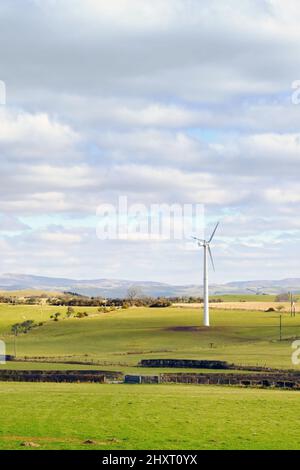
<point>95,416</point>
<point>246,305</point>
<point>66,416</point>
<point>121,338</point>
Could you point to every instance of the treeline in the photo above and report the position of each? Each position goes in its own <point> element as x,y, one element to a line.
<point>15,300</point>
<point>142,301</point>
<point>80,301</point>
<point>70,299</point>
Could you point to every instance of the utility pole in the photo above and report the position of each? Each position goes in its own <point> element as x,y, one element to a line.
<point>15,345</point>
<point>280,327</point>
<point>293,306</point>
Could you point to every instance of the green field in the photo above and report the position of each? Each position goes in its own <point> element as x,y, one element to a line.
<point>64,416</point>
<point>120,339</point>
<point>244,297</point>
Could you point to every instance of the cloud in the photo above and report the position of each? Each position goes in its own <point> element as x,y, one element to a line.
<point>34,135</point>
<point>165,101</point>
<point>9,223</point>
<point>60,237</point>
<point>284,196</point>
<point>137,48</point>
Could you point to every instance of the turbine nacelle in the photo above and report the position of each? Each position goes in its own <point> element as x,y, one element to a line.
<point>206,244</point>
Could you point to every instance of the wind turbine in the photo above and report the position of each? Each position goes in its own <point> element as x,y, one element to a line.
<point>207,251</point>
<point>257,290</point>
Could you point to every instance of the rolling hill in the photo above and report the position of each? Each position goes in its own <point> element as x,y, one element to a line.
<point>119,288</point>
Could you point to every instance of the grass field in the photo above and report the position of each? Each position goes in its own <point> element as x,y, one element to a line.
<point>246,305</point>
<point>244,298</point>
<point>64,416</point>
<point>122,338</point>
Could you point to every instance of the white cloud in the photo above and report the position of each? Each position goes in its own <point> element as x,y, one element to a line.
<point>35,135</point>
<point>284,196</point>
<point>60,237</point>
<point>165,101</point>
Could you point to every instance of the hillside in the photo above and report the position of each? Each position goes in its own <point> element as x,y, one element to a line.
<point>119,288</point>
<point>122,338</point>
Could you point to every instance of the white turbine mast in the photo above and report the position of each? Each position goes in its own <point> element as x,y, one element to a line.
<point>207,250</point>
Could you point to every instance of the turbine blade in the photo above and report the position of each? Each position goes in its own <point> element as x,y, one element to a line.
<point>213,234</point>
<point>211,258</point>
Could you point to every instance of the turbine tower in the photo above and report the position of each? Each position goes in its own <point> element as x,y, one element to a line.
<point>207,251</point>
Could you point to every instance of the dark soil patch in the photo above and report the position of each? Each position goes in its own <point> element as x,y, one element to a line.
<point>190,328</point>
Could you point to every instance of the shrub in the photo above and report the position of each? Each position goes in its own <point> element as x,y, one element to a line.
<point>81,315</point>
<point>24,327</point>
<point>55,316</point>
<point>284,297</point>
<point>161,303</point>
<point>70,311</point>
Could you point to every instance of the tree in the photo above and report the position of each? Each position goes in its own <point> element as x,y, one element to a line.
<point>70,311</point>
<point>19,328</point>
<point>16,330</point>
<point>133,293</point>
<point>23,327</point>
<point>161,303</point>
<point>55,316</point>
<point>284,297</point>
<point>81,315</point>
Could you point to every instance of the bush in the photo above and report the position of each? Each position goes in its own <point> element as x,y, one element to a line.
<point>81,315</point>
<point>55,316</point>
<point>70,311</point>
<point>161,303</point>
<point>285,297</point>
<point>24,327</point>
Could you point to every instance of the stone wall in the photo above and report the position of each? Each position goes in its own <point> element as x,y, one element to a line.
<point>290,381</point>
<point>185,363</point>
<point>59,376</point>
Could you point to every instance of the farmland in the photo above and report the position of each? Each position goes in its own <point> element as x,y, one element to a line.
<point>146,416</point>
<point>256,304</point>
<point>122,338</point>
<point>65,416</point>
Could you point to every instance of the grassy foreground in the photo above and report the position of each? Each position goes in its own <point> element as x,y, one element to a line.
<point>64,416</point>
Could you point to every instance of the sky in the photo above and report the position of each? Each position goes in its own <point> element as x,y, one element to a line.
<point>163,102</point>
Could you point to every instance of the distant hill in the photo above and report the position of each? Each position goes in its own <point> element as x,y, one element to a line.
<point>119,288</point>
